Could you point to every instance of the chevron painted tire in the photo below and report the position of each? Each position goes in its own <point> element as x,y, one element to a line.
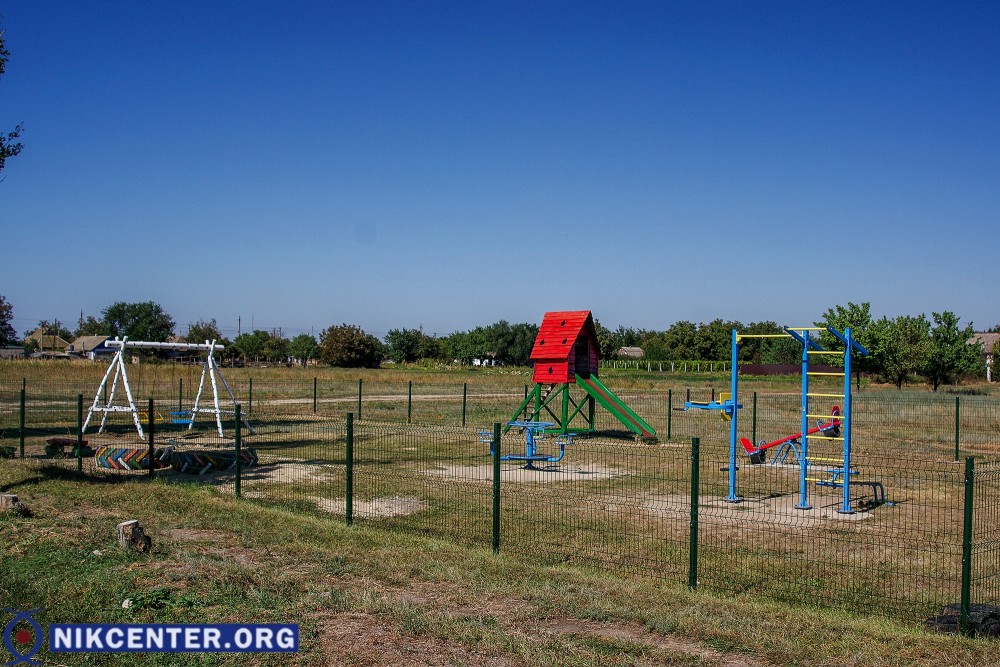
<point>200,462</point>
<point>131,458</point>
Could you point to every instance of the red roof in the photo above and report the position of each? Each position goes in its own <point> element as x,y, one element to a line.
<point>559,331</point>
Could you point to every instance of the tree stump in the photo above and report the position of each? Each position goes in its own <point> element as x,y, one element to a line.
<point>131,535</point>
<point>10,502</point>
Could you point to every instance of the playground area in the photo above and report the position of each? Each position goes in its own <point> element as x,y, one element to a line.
<point>626,506</point>
<point>569,481</point>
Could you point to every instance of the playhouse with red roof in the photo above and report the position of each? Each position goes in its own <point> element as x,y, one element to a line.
<point>566,353</point>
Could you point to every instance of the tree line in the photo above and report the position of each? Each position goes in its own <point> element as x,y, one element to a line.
<point>902,349</point>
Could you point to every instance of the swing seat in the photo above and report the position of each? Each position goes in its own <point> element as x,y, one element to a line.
<point>181,418</point>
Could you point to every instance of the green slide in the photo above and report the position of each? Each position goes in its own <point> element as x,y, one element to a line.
<point>616,406</point>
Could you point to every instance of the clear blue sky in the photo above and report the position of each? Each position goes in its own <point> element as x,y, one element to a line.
<point>451,164</point>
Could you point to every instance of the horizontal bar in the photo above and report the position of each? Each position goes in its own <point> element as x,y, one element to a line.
<point>825,395</point>
<point>830,417</point>
<point>819,373</point>
<point>837,352</point>
<point>811,459</point>
<point>149,345</point>
<point>781,335</point>
<point>826,437</point>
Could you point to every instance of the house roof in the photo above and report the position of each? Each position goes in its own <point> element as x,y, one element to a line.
<point>47,341</point>
<point>631,352</point>
<point>87,343</point>
<point>987,339</point>
<point>559,331</point>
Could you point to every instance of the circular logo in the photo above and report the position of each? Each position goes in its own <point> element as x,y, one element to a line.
<point>15,640</point>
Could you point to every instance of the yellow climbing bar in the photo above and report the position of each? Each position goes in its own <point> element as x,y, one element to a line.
<point>830,417</point>
<point>841,461</point>
<point>824,373</point>
<point>836,352</point>
<point>826,437</point>
<point>811,395</point>
<point>781,335</point>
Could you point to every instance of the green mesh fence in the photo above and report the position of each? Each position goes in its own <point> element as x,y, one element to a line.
<point>985,583</point>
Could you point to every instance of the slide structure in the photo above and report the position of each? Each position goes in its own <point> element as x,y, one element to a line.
<point>610,402</point>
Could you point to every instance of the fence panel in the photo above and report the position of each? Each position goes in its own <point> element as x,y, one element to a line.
<point>985,584</point>
<point>427,480</point>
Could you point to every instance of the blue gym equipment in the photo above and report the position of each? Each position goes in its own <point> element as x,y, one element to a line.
<point>533,432</point>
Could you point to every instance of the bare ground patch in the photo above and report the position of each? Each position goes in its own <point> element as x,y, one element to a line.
<point>549,473</point>
<point>377,508</point>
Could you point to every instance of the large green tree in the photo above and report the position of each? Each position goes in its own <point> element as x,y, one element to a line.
<point>714,341</point>
<point>899,347</point>
<point>9,144</point>
<point>251,346</point>
<point>303,348</point>
<point>350,346</point>
<point>145,321</point>
<point>89,326</point>
<point>276,346</point>
<point>951,356</point>
<point>408,345</point>
<point>783,350</point>
<point>204,330</point>
<point>7,334</point>
<point>858,318</point>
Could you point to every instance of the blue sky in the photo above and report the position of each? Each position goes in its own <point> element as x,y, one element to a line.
<point>448,165</point>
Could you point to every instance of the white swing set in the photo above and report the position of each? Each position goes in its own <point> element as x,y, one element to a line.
<point>117,369</point>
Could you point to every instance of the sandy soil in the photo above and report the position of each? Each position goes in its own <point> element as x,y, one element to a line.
<point>378,508</point>
<point>548,473</point>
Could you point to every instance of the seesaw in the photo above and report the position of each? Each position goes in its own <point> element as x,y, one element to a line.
<point>830,429</point>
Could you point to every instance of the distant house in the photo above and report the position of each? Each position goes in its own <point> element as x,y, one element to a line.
<point>989,340</point>
<point>631,353</point>
<point>13,352</point>
<point>47,342</point>
<point>91,347</point>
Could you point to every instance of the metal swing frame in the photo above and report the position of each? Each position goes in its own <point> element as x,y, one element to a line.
<point>117,372</point>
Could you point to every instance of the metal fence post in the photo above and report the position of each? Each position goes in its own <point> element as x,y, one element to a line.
<point>349,471</point>
<point>238,442</point>
<point>754,433</point>
<point>409,402</point>
<point>315,390</point>
<point>670,411</point>
<point>967,546</point>
<point>496,487</point>
<point>958,429</point>
<point>21,419</point>
<point>180,395</point>
<point>149,427</point>
<point>359,398</point>
<point>250,402</point>
<point>465,396</point>
<point>79,432</point>
<point>693,553</point>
